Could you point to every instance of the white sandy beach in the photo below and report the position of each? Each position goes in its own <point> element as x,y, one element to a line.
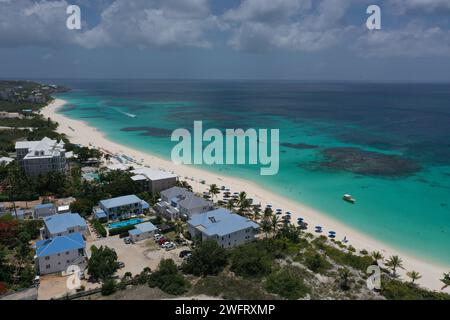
<point>79,132</point>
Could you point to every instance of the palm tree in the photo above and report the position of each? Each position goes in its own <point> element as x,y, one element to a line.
<point>413,275</point>
<point>377,256</point>
<point>276,223</point>
<point>446,280</point>
<point>344,275</point>
<point>179,227</point>
<point>213,190</point>
<point>268,212</point>
<point>256,212</point>
<point>394,262</point>
<point>230,204</point>
<point>266,226</point>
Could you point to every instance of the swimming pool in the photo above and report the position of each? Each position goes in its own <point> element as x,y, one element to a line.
<point>121,224</point>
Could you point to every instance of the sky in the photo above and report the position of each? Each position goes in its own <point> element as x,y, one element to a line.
<point>317,40</point>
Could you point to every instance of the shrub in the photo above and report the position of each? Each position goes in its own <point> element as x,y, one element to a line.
<point>248,261</point>
<point>108,287</point>
<point>124,229</point>
<point>316,262</point>
<point>168,279</point>
<point>100,228</point>
<point>208,258</point>
<point>287,284</point>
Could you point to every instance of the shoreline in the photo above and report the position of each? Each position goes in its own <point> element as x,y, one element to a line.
<point>431,272</point>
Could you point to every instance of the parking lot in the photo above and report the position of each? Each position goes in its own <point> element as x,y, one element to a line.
<point>137,256</point>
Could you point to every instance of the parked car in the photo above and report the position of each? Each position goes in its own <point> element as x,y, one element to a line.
<point>121,265</point>
<point>170,246</point>
<point>184,253</point>
<point>157,236</point>
<point>187,256</point>
<point>162,241</point>
<point>127,240</point>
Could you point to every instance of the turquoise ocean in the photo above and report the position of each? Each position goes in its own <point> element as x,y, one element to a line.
<point>388,145</point>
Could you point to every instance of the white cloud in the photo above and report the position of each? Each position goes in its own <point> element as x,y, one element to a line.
<point>33,23</point>
<point>294,25</point>
<point>403,6</point>
<point>151,23</point>
<point>414,40</point>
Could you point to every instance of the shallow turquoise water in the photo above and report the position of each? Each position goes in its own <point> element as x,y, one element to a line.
<point>410,213</point>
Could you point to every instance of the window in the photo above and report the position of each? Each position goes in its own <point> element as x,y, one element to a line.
<point>47,266</point>
<point>47,258</point>
<point>67,253</point>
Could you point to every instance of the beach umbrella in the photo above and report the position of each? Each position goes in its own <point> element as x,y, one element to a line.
<point>318,227</point>
<point>269,206</point>
<point>332,232</point>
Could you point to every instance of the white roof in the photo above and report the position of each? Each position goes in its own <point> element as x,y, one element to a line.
<point>46,148</point>
<point>6,160</point>
<point>152,174</point>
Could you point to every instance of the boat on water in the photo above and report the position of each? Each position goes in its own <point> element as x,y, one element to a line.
<point>349,198</point>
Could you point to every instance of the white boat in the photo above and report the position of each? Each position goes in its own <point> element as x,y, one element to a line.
<point>349,198</point>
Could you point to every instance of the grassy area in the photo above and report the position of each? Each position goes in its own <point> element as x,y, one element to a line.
<point>229,287</point>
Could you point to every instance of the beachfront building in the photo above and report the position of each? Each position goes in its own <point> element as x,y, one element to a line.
<point>178,202</point>
<point>142,231</point>
<point>44,210</point>
<point>40,157</point>
<point>123,207</point>
<point>57,254</point>
<point>221,225</point>
<point>154,181</point>
<point>63,224</point>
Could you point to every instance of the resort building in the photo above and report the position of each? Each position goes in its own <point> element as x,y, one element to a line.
<point>142,231</point>
<point>40,157</point>
<point>154,181</point>
<point>224,227</point>
<point>63,224</point>
<point>57,254</point>
<point>178,202</point>
<point>44,210</point>
<point>123,207</point>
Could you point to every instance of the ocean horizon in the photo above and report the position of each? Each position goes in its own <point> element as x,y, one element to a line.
<point>387,144</point>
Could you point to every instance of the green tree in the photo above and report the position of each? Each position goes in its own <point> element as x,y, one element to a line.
<point>394,262</point>
<point>168,279</point>
<point>344,278</point>
<point>414,276</point>
<point>213,190</point>
<point>248,261</point>
<point>266,227</point>
<point>446,280</point>
<point>208,258</point>
<point>103,263</point>
<point>108,287</point>
<point>287,284</point>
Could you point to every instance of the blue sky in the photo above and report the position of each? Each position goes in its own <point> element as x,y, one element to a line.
<point>226,39</point>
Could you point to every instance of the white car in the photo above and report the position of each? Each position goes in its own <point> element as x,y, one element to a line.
<point>170,246</point>
<point>167,244</point>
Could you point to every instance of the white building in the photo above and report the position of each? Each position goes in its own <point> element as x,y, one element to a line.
<point>57,254</point>
<point>154,181</point>
<point>226,228</point>
<point>40,157</point>
<point>178,202</point>
<point>142,231</point>
<point>123,207</point>
<point>63,224</point>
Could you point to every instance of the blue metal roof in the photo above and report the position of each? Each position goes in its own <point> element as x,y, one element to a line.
<point>145,205</point>
<point>61,244</point>
<point>120,201</point>
<point>44,205</point>
<point>221,222</point>
<point>99,214</point>
<point>61,222</point>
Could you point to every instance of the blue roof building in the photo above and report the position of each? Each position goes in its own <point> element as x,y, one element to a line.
<point>63,224</point>
<point>142,231</point>
<point>226,228</point>
<point>58,253</point>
